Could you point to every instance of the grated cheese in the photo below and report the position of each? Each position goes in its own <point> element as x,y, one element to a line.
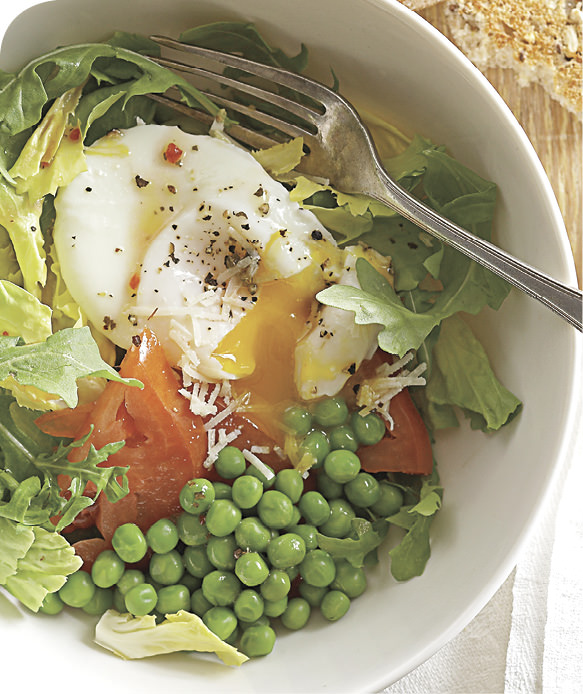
<point>252,459</point>
<point>223,414</point>
<point>375,394</point>
<point>214,446</point>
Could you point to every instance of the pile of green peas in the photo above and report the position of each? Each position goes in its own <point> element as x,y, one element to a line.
<point>244,551</point>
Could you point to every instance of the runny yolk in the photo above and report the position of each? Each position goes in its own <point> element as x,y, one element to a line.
<point>259,351</point>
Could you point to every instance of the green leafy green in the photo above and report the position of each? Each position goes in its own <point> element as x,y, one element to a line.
<point>410,556</point>
<point>55,365</point>
<point>23,314</point>
<point>42,568</point>
<point>368,537</point>
<point>31,463</point>
<point>141,637</point>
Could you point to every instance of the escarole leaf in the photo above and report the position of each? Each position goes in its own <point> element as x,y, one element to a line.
<point>140,637</point>
<point>23,314</point>
<point>31,463</point>
<point>55,365</point>
<point>44,566</point>
<point>462,376</point>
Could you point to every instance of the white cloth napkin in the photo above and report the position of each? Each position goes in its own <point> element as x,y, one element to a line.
<point>529,637</point>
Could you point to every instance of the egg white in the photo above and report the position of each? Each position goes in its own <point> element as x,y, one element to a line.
<point>186,246</point>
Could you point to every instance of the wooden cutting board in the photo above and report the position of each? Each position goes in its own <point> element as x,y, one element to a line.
<point>555,133</point>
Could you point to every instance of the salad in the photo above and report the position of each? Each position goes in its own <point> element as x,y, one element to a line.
<point>220,379</point>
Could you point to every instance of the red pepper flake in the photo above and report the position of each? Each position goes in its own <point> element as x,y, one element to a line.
<point>173,154</point>
<point>5,333</point>
<point>75,134</point>
<point>134,281</point>
<point>44,164</point>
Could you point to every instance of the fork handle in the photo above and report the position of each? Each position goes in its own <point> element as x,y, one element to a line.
<point>564,300</point>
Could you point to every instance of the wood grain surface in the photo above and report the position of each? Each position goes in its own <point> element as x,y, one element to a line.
<point>555,134</point>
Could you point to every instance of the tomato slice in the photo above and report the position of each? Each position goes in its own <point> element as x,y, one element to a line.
<point>406,448</point>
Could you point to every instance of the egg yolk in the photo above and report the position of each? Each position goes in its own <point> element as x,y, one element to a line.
<point>259,351</point>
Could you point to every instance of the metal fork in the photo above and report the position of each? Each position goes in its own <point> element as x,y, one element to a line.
<point>341,150</point>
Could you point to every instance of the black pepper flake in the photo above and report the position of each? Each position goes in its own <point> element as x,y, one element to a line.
<point>133,319</point>
<point>108,323</point>
<point>88,189</point>
<point>259,192</point>
<point>33,228</point>
<point>171,189</point>
<point>413,246</point>
<point>254,299</point>
<point>141,182</point>
<point>240,214</point>
<point>207,218</point>
<point>245,226</point>
<point>317,235</point>
<point>282,232</point>
<point>209,279</point>
<point>194,148</point>
<point>356,388</point>
<point>352,369</point>
<point>136,340</point>
<point>175,226</point>
<point>119,250</point>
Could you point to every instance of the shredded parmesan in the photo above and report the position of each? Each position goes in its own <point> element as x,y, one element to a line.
<point>375,394</point>
<point>260,450</point>
<point>252,459</point>
<point>214,446</point>
<point>229,409</point>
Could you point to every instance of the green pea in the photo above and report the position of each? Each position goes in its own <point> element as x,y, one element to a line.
<point>295,519</point>
<point>257,641</point>
<point>363,491</point>
<point>221,621</point>
<point>230,463</point>
<point>275,608</point>
<point>343,438</point>
<point>233,638</point>
<point>221,552</point>
<point>221,587</point>
<point>52,604</point>
<point>293,572</point>
<point>141,599</point>
<point>263,621</point>
<point>328,487</point>
<point>296,420</point>
<point>172,599</point>
<point>196,561</point>
<point>129,543</point>
<point>251,535</point>
<point>119,602</point>
<point>331,412</point>
<point>275,509</point>
<point>318,568</point>
<point>334,605</point>
<point>389,502</point>
<point>247,491</point>
<point>339,524</point>
<point>101,601</point>
<point>267,482</point>
<point>290,483</point>
<point>369,429</point>
<point>198,603</point>
<point>78,590</point>
<point>313,594</point>
<point>296,614</point>
<point>342,466</point>
<point>286,550</point>
<point>197,495</point>
<point>107,569</point>
<point>276,586</point>
<point>192,529</point>
<point>162,536</point>
<point>315,445</point>
<point>131,578</point>
<point>248,606</point>
<point>167,568</point>
<point>222,518</point>
<point>307,532</point>
<point>223,490</point>
<point>351,580</point>
<point>314,508</point>
<point>191,582</point>
<point>251,569</point>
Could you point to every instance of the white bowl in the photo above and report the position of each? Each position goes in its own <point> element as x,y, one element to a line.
<point>396,65</point>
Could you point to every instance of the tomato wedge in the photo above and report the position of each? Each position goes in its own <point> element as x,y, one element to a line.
<point>406,448</point>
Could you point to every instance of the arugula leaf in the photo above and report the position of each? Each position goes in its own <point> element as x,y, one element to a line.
<point>368,537</point>
<point>410,556</point>
<point>31,463</point>
<point>55,365</point>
